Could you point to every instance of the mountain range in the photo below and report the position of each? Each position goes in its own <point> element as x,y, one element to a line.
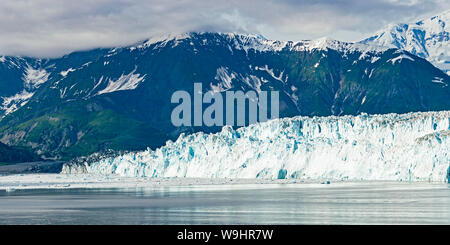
<point>119,98</point>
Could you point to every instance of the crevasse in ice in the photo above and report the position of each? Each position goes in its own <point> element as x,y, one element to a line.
<point>398,147</point>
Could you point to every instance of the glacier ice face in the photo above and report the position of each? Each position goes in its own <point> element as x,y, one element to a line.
<point>398,147</point>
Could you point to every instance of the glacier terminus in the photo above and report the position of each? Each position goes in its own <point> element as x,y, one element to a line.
<point>389,147</point>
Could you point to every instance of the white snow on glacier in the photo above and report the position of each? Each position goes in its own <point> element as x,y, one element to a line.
<point>398,147</point>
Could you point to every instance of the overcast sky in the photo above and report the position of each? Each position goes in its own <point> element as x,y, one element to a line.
<point>49,28</point>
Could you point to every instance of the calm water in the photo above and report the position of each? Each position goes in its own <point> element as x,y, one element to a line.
<point>340,203</point>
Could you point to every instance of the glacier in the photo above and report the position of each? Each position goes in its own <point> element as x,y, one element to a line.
<point>391,147</point>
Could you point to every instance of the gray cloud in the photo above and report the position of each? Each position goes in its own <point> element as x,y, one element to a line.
<point>49,28</point>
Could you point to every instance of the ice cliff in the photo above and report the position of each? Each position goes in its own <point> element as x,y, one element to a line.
<point>398,147</point>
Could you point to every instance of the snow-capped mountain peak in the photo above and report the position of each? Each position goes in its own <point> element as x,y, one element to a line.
<point>428,38</point>
<point>255,42</point>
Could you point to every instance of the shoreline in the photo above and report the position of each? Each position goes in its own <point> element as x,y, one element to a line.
<point>90,181</point>
<point>10,183</point>
<point>38,167</point>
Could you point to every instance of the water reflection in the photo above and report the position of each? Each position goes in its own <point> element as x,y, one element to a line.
<point>338,203</point>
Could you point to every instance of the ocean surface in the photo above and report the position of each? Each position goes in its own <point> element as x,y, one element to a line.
<point>335,203</point>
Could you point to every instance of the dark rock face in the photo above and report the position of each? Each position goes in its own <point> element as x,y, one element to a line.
<point>11,154</point>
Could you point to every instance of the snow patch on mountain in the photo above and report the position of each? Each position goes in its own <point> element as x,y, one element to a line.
<point>253,82</point>
<point>161,40</point>
<point>400,58</point>
<point>271,73</point>
<point>374,59</point>
<point>64,73</point>
<point>129,81</point>
<point>33,78</point>
<point>12,103</point>
<point>397,147</point>
<point>439,80</point>
<point>225,79</point>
